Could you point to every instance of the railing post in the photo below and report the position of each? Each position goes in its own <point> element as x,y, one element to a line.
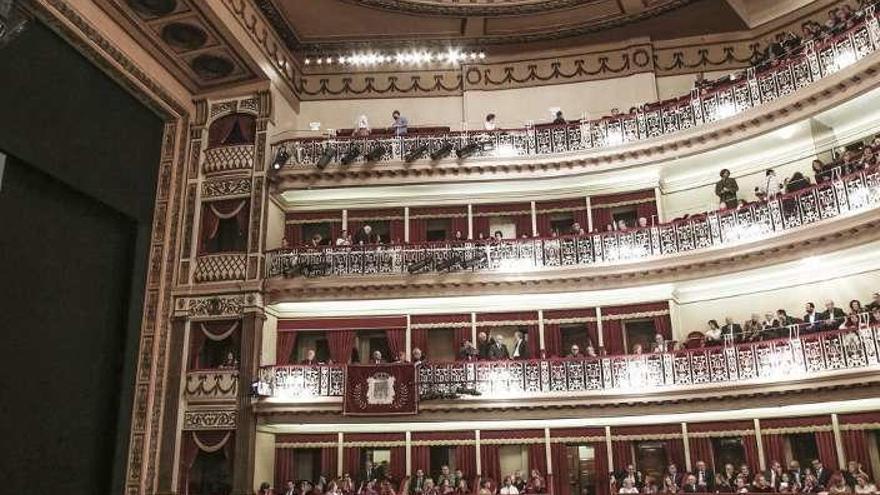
<point>541,332</point>
<point>408,441</point>
<point>599,331</point>
<point>589,224</point>
<point>547,451</point>
<point>406,224</point>
<point>535,220</point>
<point>470,219</point>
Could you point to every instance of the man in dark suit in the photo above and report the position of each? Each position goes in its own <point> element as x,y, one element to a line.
<point>483,345</point>
<point>630,472</point>
<point>774,474</point>
<point>823,474</point>
<point>705,477</point>
<point>467,351</point>
<point>674,479</point>
<point>365,235</point>
<point>812,319</point>
<point>416,485</point>
<point>690,485</point>
<point>519,350</point>
<point>310,359</point>
<point>833,316</point>
<point>796,473</point>
<point>731,332</point>
<point>370,473</point>
<point>289,488</point>
<point>875,302</point>
<point>376,358</point>
<point>498,350</point>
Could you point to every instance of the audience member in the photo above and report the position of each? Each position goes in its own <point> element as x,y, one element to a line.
<point>726,189</point>
<point>489,124</point>
<point>559,120</point>
<point>400,124</point>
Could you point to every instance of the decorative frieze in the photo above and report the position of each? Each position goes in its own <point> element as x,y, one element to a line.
<point>210,420</point>
<point>231,305</point>
<point>223,159</point>
<point>236,186</point>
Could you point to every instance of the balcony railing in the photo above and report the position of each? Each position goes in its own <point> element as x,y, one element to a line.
<point>211,385</point>
<point>797,357</point>
<point>755,87</point>
<point>229,158</point>
<point>220,267</point>
<point>716,229</point>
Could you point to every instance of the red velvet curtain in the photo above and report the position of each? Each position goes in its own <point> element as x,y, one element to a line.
<point>543,223</point>
<point>663,326</point>
<point>396,338</point>
<point>421,459</point>
<point>419,338</point>
<point>285,466</point>
<point>612,334</point>
<point>559,459</point>
<point>341,342</point>
<point>827,449</point>
<point>701,450</point>
<point>675,452</point>
<point>198,338</point>
<point>538,457</point>
<point>621,454</point>
<point>601,219</point>
<point>351,462</point>
<point>523,225</point>
<point>418,230</point>
<point>397,464</point>
<point>328,462</point>
<point>533,341</point>
<point>648,210</point>
<point>396,230</point>
<point>593,333</point>
<point>490,462</point>
<point>213,441</point>
<point>580,216</point>
<point>603,486</point>
<point>552,340</point>
<point>774,448</point>
<point>284,347</point>
<point>293,234</point>
<point>750,447</point>
<point>212,212</point>
<point>235,129</point>
<point>466,460</point>
<point>481,226</point>
<point>855,446</point>
<point>460,224</point>
<point>461,334</point>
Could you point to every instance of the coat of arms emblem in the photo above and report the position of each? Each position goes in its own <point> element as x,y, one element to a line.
<point>380,389</point>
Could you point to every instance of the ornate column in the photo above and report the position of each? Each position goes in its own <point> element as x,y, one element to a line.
<point>174,407</point>
<point>246,430</point>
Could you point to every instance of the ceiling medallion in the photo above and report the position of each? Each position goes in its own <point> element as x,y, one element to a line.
<point>471,7</point>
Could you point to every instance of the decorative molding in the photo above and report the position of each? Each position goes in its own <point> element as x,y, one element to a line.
<point>232,305</point>
<point>210,420</point>
<point>235,186</point>
<point>220,267</point>
<point>471,7</point>
<point>211,385</point>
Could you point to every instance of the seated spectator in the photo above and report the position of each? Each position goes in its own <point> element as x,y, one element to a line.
<point>590,351</point>
<point>467,351</point>
<point>445,487</point>
<point>650,486</point>
<point>637,349</point>
<point>722,484</point>
<point>875,302</point>
<point>853,471</point>
<point>507,487</point>
<point>310,359</point>
<point>430,488</point>
<point>489,124</point>
<point>704,477</point>
<point>833,316</point>
<point>485,488</point>
<point>627,487</point>
<point>864,485</point>
<point>796,183</point>
<point>760,485</point>
<point>376,358</point>
<point>316,241</point>
<point>417,356</point>
<point>366,236</point>
<point>362,126</point>
<point>660,344</point>
<point>574,352</point>
<point>230,363</point>
<point>812,318</point>
<point>752,328</point>
<point>731,332</point>
<point>344,239</point>
<point>836,484</point>
<point>821,173</point>
<point>869,159</point>
<point>265,489</point>
<point>690,484</point>
<point>712,333</point>
<point>559,120</point>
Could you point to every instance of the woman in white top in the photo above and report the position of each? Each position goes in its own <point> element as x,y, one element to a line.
<point>863,485</point>
<point>628,486</point>
<point>489,124</point>
<point>362,126</point>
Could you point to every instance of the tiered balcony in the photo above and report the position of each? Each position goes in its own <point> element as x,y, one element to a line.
<point>211,386</point>
<point>817,358</point>
<point>724,228</point>
<point>756,87</point>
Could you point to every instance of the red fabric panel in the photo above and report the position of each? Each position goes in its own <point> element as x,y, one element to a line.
<point>396,229</point>
<point>542,221</point>
<point>612,335</point>
<point>221,130</point>
<point>499,210</point>
<point>328,462</point>
<point>795,422</point>
<point>458,224</point>
<point>856,418</point>
<point>305,438</point>
<point>701,450</point>
<point>442,435</point>
<point>521,315</point>
<point>558,314</point>
<point>396,342</point>
<point>538,457</point>
<point>341,343</point>
<point>601,219</point>
<point>750,447</point>
<point>418,230</point>
<point>461,334</point>
<point>523,225</point>
<point>196,342</point>
<point>720,426</point>
<point>490,462</point>
<point>552,340</point>
<point>481,226</point>
<point>855,447</point>
<point>344,323</point>
<point>374,214</point>
<point>533,341</point>
<point>559,460</point>
<point>580,216</point>
<point>635,308</point>
<point>293,234</point>
<point>576,432</point>
<point>675,452</point>
<point>285,466</point>
<point>663,326</point>
<point>284,348</point>
<point>602,469</point>
<point>466,460</point>
<point>621,454</point>
<point>827,449</point>
<point>374,437</point>
<point>648,211</point>
<point>505,434</point>
<point>645,430</point>
<point>351,462</point>
<point>397,464</point>
<point>419,338</point>
<point>774,449</point>
<point>448,318</point>
<point>421,459</point>
<point>562,204</point>
<point>439,211</point>
<point>606,199</point>
<point>593,333</point>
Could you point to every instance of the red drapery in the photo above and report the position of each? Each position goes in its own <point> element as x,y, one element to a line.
<point>397,464</point>
<point>663,326</point>
<point>328,462</point>
<point>341,342</point>
<point>648,211</point>
<point>621,454</point>
<point>490,462</point>
<point>600,451</point>
<point>481,226</point>
<point>284,347</point>
<point>827,449</point>
<point>396,338</point>
<point>458,224</point>
<point>214,211</point>
<point>235,129</point>
<point>419,338</point>
<point>466,460</point>
<point>421,459</point>
<point>559,460</point>
<point>461,334</point>
<point>418,230</point>
<point>542,221</point>
<point>701,450</point>
<point>397,230</point>
<point>612,334</point>
<point>602,218</point>
<point>203,441</point>
<point>538,457</point>
<point>774,449</point>
<point>351,462</point>
<point>675,452</point>
<point>855,447</point>
<point>218,330</point>
<point>285,466</point>
<point>750,447</point>
<point>553,340</point>
<point>523,225</point>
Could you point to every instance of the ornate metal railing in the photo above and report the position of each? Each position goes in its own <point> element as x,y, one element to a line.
<point>220,267</point>
<point>211,385</point>
<point>228,159</point>
<point>781,359</point>
<point>721,228</point>
<point>754,87</point>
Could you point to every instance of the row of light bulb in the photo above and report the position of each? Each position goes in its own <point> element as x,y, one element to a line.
<point>400,58</point>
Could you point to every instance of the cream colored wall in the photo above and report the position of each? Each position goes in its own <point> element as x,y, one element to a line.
<point>274,226</point>
<point>342,114</point>
<point>513,458</point>
<point>270,336</point>
<point>264,459</point>
<point>674,86</point>
<point>814,286</point>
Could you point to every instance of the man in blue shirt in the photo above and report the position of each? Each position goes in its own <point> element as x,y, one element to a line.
<point>400,123</point>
